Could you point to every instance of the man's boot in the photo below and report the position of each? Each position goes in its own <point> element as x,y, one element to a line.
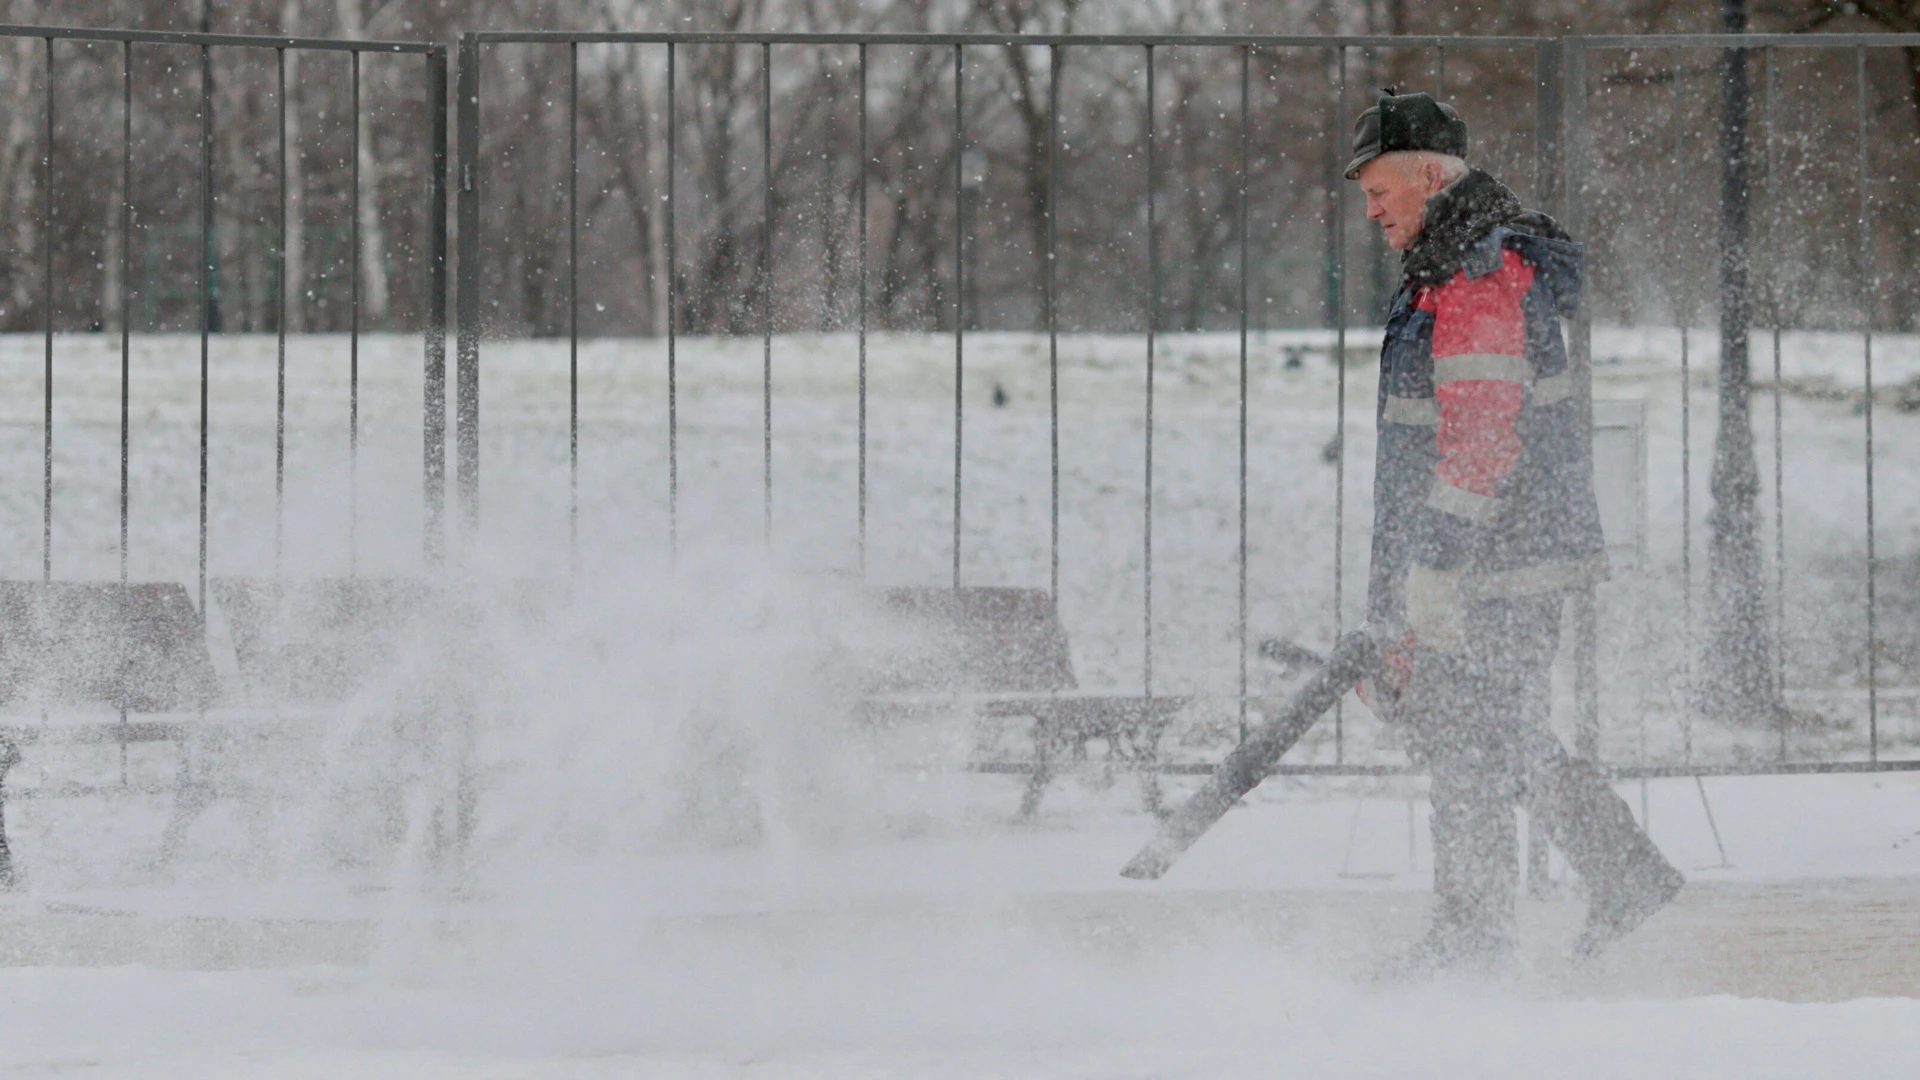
<point>1627,878</point>
<point>1475,876</point>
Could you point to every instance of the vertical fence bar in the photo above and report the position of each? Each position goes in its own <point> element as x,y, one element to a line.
<point>1330,271</point>
<point>1053,323</point>
<point>959,291</point>
<point>46,300</point>
<point>353,331</point>
<point>1240,625</point>
<point>1685,309</point>
<point>1561,116</point>
<point>766,293</point>
<point>1575,160</point>
<point>1870,287</point>
<point>126,299</point>
<point>1337,281</point>
<point>126,337</point>
<point>1440,75</point>
<point>1153,321</point>
<point>280,323</point>
<point>434,421</point>
<point>1686,532</point>
<point>1549,73</point>
<point>206,289</point>
<point>573,307</point>
<point>467,291</point>
<point>673,313</point>
<point>1549,174</point>
<point>467,380</point>
<point>1779,433</point>
<point>860,186</point>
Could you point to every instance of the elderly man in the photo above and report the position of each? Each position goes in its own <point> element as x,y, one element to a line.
<point>1484,518</point>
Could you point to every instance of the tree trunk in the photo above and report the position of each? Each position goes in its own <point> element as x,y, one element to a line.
<point>110,314</point>
<point>606,118</point>
<point>17,187</point>
<point>373,234</point>
<point>1738,683</point>
<point>294,288</point>
<point>1035,124</point>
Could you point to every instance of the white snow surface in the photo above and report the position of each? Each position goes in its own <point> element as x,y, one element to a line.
<point>933,1014</point>
<point>688,863</point>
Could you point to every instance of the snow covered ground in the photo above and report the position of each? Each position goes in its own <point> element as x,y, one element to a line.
<point>1203,1017</point>
<point>990,950</point>
<point>688,864</point>
<point>978,948</point>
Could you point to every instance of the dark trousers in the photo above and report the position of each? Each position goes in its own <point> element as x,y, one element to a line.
<point>1479,723</point>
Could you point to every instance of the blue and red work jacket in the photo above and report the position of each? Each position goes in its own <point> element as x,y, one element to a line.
<point>1485,456</point>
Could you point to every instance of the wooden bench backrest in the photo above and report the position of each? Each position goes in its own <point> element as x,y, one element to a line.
<point>139,647</point>
<point>318,640</point>
<point>978,640</point>
<point>315,640</point>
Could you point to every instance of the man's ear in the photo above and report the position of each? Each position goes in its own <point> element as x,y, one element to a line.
<point>1431,173</point>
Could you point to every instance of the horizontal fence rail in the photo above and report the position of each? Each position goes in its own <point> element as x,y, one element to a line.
<point>185,37</point>
<point>720,37</point>
<point>1617,772</point>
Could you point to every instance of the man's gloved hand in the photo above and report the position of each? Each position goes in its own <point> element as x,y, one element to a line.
<point>1383,691</point>
<point>1436,614</point>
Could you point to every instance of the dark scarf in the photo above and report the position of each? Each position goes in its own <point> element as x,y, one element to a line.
<point>1457,217</point>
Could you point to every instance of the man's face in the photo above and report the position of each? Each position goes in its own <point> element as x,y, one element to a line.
<point>1397,189</point>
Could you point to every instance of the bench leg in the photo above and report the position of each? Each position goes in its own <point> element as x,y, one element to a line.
<point>9,757</point>
<point>1150,791</point>
<point>1539,884</point>
<point>1042,774</point>
<point>1147,761</point>
<point>190,800</point>
<point>1036,790</point>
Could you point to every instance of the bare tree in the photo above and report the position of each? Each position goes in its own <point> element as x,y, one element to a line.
<point>373,234</point>
<point>295,241</point>
<point>621,116</point>
<point>17,160</point>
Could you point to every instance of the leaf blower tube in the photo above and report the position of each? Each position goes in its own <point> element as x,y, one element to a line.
<point>1354,658</point>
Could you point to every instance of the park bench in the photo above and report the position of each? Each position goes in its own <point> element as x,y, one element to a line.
<point>142,650</point>
<point>137,649</point>
<point>1002,652</point>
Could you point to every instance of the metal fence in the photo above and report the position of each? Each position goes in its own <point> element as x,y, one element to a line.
<point>1562,154</point>
<point>1767,266</point>
<point>1563,158</point>
<point>1232,50</point>
<point>135,281</point>
<point>135,646</point>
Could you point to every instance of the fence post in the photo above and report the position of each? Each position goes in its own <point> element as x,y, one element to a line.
<point>1549,192</point>
<point>467,286</point>
<point>1549,176</point>
<point>1574,163</point>
<point>433,426</point>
